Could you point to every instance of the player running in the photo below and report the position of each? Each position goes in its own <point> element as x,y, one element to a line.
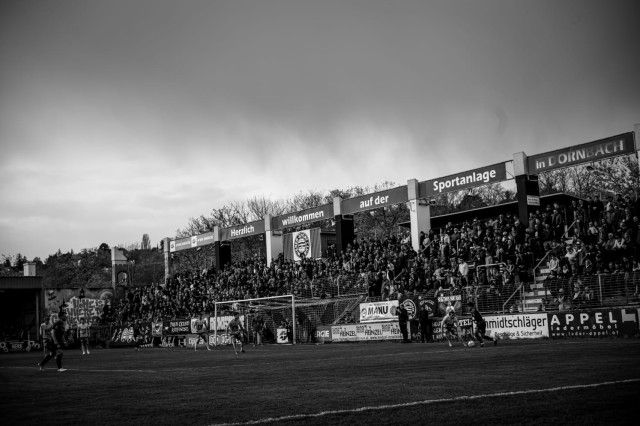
<point>235,330</point>
<point>481,326</point>
<point>449,327</point>
<point>56,343</point>
<point>83,335</point>
<point>201,330</point>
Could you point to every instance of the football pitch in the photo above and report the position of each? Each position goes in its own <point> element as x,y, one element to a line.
<point>523,382</point>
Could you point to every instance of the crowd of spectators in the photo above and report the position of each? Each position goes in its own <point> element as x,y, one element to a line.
<point>603,240</point>
<point>483,259</point>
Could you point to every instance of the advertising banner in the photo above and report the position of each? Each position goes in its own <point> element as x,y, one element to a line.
<point>366,332</point>
<point>323,333</point>
<point>465,325</point>
<point>191,340</point>
<point>247,230</point>
<point>533,200</point>
<point>282,336</point>
<point>18,346</point>
<point>378,311</point>
<point>584,153</point>
<point>583,323</point>
<point>220,339</point>
<point>376,200</point>
<point>191,242</point>
<point>458,181</point>
<point>178,327</point>
<point>303,217</point>
<point>180,244</point>
<point>521,326</point>
<point>222,323</point>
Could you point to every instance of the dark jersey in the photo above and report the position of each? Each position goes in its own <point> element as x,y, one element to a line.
<point>57,330</point>
<point>477,317</point>
<point>403,315</point>
<point>235,326</point>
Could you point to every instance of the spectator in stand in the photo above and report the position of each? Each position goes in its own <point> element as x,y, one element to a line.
<point>561,301</point>
<point>463,270</point>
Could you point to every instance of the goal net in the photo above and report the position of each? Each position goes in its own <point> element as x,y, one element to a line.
<point>281,319</point>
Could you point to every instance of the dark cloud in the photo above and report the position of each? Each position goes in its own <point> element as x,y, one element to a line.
<point>241,96</point>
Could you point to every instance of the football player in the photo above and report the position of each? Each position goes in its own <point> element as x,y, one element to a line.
<point>201,331</point>
<point>56,343</point>
<point>481,326</point>
<point>235,330</point>
<point>449,327</point>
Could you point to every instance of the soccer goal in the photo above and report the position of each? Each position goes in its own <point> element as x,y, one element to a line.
<point>284,319</point>
<point>275,316</point>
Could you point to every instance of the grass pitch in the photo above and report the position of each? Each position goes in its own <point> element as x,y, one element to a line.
<point>519,382</point>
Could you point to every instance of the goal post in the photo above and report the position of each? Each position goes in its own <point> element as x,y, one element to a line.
<point>275,311</point>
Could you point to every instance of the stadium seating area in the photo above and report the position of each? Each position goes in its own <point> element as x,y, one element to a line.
<point>485,260</point>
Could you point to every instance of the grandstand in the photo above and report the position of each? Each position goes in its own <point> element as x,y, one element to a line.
<point>532,254</point>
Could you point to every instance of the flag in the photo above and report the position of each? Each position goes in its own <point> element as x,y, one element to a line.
<point>302,245</point>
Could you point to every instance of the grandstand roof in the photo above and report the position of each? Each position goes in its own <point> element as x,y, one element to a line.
<point>492,211</point>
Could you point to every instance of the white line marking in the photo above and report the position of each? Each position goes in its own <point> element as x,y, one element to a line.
<point>82,370</point>
<point>426,402</point>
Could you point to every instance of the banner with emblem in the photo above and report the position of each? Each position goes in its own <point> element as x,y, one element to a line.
<point>302,245</point>
<point>378,311</point>
<point>412,307</point>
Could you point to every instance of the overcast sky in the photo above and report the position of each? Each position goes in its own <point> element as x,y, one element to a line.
<point>119,118</point>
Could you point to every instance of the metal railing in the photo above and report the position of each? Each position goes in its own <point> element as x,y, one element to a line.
<point>603,290</point>
<point>592,291</point>
<point>518,290</point>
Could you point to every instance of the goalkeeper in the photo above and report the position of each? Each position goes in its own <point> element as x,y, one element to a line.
<point>236,331</point>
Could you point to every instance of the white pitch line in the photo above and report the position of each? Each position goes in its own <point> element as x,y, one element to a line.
<point>426,402</point>
<point>82,370</point>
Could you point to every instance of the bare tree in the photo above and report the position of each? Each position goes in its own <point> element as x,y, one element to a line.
<point>305,200</point>
<point>258,207</point>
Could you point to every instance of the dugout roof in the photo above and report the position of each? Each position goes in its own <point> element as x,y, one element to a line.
<point>20,283</point>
